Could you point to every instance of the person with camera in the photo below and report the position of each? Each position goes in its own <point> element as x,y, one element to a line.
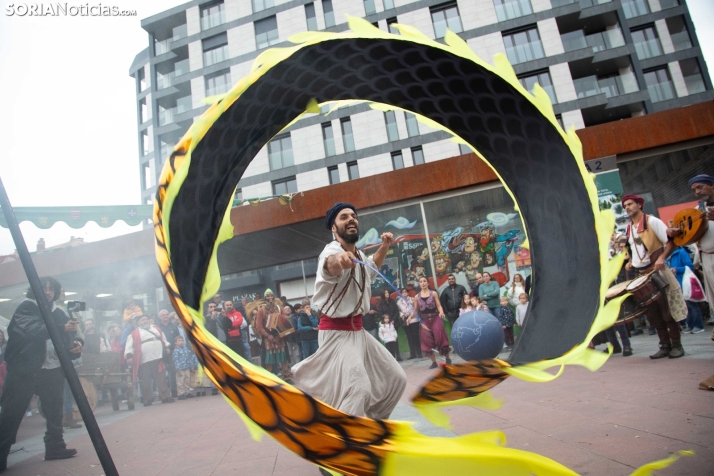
<point>33,368</point>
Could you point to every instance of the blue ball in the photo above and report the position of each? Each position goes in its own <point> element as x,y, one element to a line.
<point>477,335</point>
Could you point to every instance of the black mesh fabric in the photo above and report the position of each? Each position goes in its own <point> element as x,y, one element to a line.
<point>474,103</point>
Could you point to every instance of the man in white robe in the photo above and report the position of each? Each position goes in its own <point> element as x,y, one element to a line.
<point>351,370</point>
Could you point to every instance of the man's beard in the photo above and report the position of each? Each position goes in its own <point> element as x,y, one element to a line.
<point>350,238</point>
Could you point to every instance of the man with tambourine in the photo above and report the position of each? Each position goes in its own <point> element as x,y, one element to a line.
<point>696,226</point>
<point>649,247</point>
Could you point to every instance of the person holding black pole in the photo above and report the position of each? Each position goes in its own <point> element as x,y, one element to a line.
<point>33,368</point>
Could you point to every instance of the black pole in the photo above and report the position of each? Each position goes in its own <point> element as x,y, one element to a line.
<point>62,353</point>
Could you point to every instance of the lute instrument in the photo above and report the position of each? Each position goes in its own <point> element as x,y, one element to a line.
<point>692,223</point>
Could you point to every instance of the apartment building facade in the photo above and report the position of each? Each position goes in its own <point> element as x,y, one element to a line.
<point>598,60</point>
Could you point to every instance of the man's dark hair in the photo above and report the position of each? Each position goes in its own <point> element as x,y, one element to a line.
<point>54,286</point>
<point>450,275</point>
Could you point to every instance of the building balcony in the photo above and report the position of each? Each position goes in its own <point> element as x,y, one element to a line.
<point>681,41</point>
<point>513,9</point>
<point>214,56</point>
<point>165,80</point>
<point>164,46</point>
<point>583,3</point>
<point>218,89</point>
<point>166,116</point>
<point>611,86</point>
<point>662,91</point>
<point>214,19</point>
<point>648,49</point>
<point>605,40</point>
<point>525,52</point>
<point>635,8</point>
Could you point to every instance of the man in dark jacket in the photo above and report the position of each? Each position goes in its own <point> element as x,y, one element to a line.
<point>451,298</point>
<point>34,369</point>
<point>170,331</point>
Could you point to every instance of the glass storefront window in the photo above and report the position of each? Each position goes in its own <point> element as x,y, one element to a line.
<point>476,232</point>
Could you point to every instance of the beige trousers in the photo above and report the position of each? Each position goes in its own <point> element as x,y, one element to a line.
<point>183,382</point>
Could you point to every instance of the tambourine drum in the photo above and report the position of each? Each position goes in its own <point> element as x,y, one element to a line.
<point>629,310</point>
<point>644,290</point>
<point>616,290</point>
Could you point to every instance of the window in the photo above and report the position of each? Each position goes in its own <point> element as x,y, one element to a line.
<point>260,5</point>
<point>143,111</point>
<point>212,16</point>
<point>388,4</point>
<point>369,8</point>
<point>334,175</point>
<point>141,79</point>
<point>328,138</point>
<point>659,84</point>
<point>464,149</point>
<point>678,31</point>
<point>397,160</point>
<point>559,118</point>
<point>390,25</point>
<point>329,13</point>
<point>311,16</point>
<point>665,4</point>
<point>266,32</point>
<point>412,126</point>
<point>148,178</point>
<point>218,83</point>
<point>215,49</point>
<point>144,142</point>
<point>692,76</point>
<point>280,152</point>
<point>507,9</point>
<point>635,8</point>
<point>238,195</point>
<point>288,185</point>
<point>523,46</point>
<point>352,170</point>
<point>417,155</point>
<point>391,121</point>
<point>646,42</point>
<point>347,138</point>
<point>446,16</point>
<point>542,78</point>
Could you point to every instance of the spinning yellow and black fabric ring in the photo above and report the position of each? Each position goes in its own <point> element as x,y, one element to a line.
<point>447,86</point>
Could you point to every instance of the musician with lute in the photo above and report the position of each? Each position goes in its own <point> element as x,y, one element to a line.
<point>649,247</point>
<point>697,226</point>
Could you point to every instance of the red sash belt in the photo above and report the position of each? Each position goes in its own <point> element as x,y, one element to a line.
<point>328,323</point>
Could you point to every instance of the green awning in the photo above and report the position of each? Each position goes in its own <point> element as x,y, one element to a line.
<point>77,217</point>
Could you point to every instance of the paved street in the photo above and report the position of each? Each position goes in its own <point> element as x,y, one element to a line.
<point>632,411</point>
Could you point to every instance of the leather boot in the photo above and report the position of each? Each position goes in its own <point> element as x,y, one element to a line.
<point>664,350</point>
<point>68,421</point>
<point>677,350</point>
<point>627,351</point>
<point>58,451</point>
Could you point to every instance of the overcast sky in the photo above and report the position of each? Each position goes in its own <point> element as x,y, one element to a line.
<point>68,107</point>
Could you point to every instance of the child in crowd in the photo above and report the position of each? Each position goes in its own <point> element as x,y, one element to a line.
<point>465,305</point>
<point>478,305</point>
<point>388,335</point>
<point>505,316</point>
<point>184,362</point>
<point>521,311</point>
